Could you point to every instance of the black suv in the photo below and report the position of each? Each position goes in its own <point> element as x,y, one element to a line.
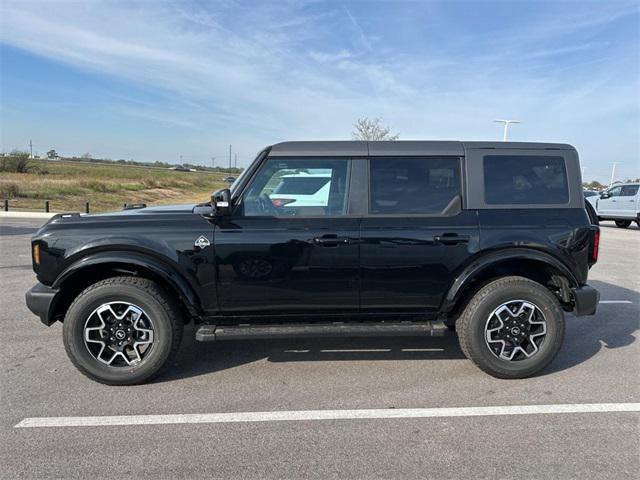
<point>333,239</point>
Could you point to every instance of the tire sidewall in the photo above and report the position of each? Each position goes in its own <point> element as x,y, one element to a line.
<point>553,315</point>
<point>73,333</point>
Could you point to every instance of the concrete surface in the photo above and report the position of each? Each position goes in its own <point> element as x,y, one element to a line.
<point>598,364</point>
<point>26,215</point>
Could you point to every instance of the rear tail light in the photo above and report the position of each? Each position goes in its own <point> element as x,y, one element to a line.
<point>596,245</point>
<point>281,202</point>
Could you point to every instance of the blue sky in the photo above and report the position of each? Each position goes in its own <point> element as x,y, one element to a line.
<point>153,80</point>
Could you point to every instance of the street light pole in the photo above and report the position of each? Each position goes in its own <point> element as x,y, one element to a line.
<point>506,127</point>
<point>613,172</point>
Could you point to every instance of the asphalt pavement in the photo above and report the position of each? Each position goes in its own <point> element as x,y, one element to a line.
<point>597,365</point>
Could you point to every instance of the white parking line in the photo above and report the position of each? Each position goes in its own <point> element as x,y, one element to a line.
<point>615,301</point>
<point>305,415</point>
<point>354,350</point>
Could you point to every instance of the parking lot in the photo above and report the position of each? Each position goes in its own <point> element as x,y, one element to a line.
<point>598,365</point>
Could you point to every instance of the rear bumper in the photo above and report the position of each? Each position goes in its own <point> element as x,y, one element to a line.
<point>40,300</point>
<point>586,300</point>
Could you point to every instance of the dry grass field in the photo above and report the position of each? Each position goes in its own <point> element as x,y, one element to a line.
<point>68,185</point>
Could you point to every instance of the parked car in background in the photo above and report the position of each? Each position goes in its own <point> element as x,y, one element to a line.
<point>620,203</point>
<point>592,197</point>
<point>182,168</point>
<point>302,189</point>
<point>229,179</point>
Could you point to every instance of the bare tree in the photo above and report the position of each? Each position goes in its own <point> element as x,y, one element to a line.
<point>371,129</point>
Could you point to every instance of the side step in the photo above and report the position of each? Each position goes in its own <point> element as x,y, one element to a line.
<point>210,333</point>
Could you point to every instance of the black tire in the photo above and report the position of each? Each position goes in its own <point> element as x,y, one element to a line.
<point>471,325</point>
<point>623,223</point>
<point>147,295</point>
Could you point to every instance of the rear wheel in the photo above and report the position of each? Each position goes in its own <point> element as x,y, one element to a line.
<point>512,328</point>
<point>122,330</point>
<point>623,223</point>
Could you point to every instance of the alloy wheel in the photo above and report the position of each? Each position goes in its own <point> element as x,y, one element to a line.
<point>119,334</point>
<point>515,330</point>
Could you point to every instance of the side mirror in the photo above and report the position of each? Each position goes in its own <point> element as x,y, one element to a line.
<point>221,202</point>
<point>605,195</point>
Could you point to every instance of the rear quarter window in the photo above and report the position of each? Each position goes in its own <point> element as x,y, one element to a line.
<point>525,180</point>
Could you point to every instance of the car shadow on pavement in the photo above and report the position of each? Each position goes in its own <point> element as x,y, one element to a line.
<point>613,327</point>
<point>610,224</point>
<point>196,358</point>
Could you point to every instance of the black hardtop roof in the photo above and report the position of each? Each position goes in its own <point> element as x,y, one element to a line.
<point>358,148</point>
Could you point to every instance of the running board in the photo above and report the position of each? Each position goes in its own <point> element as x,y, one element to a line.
<point>210,333</point>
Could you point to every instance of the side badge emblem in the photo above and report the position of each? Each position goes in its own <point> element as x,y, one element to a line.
<point>202,242</point>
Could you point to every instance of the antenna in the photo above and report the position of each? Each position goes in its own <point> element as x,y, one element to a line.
<point>506,127</point>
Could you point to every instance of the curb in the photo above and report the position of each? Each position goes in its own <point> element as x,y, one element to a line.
<point>27,214</point>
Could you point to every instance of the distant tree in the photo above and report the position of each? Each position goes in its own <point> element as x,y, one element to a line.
<point>594,185</point>
<point>86,156</point>
<point>52,154</point>
<point>371,129</point>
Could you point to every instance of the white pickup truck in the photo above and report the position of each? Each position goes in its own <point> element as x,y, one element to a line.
<point>620,203</point>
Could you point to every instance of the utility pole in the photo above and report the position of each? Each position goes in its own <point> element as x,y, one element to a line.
<point>30,149</point>
<point>180,159</point>
<point>506,127</point>
<point>229,155</point>
<point>235,161</point>
<point>213,162</point>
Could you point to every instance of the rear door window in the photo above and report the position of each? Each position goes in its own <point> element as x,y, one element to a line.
<point>412,185</point>
<point>532,179</point>
<point>629,190</point>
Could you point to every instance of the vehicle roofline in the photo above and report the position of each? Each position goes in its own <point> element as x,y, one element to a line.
<point>359,148</point>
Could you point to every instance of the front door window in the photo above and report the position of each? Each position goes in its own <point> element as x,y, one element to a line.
<point>302,188</point>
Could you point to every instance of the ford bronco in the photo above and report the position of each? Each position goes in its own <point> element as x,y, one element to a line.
<point>490,240</point>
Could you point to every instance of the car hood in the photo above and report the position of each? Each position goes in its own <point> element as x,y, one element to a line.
<point>182,208</point>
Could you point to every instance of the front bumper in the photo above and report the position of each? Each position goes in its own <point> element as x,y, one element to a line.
<point>586,300</point>
<point>40,301</point>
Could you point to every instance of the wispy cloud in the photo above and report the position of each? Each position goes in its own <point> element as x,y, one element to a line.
<point>364,39</point>
<point>260,73</point>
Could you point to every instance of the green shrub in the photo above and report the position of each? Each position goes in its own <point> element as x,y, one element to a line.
<point>16,162</point>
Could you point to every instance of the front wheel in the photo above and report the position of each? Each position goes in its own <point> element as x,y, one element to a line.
<point>122,330</point>
<point>512,328</point>
<point>623,223</point>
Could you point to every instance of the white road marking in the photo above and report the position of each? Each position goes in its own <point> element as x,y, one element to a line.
<point>305,415</point>
<point>615,301</point>
<point>354,350</point>
<point>423,349</point>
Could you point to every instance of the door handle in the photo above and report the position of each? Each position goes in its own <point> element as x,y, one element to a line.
<point>451,239</point>
<point>331,241</point>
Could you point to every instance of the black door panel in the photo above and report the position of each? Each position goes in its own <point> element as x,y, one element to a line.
<point>288,265</point>
<point>408,263</point>
<point>416,235</point>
